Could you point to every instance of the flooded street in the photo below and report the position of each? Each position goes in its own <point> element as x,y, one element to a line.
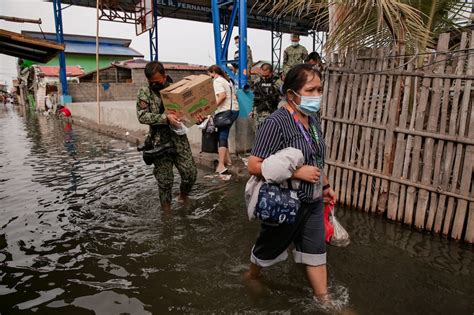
<point>81,232</point>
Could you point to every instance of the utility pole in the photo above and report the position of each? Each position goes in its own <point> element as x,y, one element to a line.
<point>19,20</point>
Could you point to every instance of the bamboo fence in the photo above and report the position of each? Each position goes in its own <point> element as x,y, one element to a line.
<point>400,137</point>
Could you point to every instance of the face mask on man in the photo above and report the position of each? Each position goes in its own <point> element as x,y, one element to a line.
<point>156,87</point>
<point>309,105</point>
<point>294,44</point>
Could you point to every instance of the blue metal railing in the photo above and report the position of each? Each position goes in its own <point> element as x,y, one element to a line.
<point>221,43</point>
<point>58,21</point>
<point>154,34</point>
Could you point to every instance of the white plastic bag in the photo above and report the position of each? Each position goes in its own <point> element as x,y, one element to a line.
<point>203,125</point>
<point>340,237</point>
<point>180,130</point>
<point>210,128</point>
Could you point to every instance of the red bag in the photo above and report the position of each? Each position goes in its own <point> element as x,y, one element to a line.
<point>329,229</point>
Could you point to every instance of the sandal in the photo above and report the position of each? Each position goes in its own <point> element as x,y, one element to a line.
<point>223,171</point>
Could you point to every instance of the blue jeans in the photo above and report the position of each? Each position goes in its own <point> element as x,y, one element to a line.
<point>223,132</point>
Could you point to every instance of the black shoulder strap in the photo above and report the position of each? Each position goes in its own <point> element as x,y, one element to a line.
<point>231,96</point>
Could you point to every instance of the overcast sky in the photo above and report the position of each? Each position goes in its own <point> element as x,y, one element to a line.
<point>178,40</point>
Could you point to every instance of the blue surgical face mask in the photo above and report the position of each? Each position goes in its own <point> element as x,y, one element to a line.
<point>309,105</point>
<point>295,44</point>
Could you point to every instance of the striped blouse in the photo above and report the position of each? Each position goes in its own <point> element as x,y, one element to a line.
<point>280,131</point>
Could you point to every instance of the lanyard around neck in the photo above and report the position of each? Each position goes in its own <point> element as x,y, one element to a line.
<point>313,140</point>
<point>306,133</point>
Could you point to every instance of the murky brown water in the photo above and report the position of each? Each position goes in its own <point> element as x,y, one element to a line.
<point>81,233</point>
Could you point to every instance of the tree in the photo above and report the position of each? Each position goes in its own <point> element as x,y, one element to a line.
<point>376,23</point>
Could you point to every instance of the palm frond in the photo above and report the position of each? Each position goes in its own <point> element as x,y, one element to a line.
<point>375,23</point>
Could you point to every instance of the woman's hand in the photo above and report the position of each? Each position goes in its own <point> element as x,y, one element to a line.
<point>329,195</point>
<point>307,173</point>
<point>199,119</point>
<point>255,165</point>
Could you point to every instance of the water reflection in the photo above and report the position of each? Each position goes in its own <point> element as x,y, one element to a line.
<point>81,232</point>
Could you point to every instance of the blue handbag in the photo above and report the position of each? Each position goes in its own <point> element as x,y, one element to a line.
<point>277,205</point>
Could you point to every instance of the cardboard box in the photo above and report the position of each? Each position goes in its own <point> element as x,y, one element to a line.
<point>194,95</point>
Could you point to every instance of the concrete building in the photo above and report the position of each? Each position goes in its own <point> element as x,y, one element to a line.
<point>47,82</point>
<point>121,80</point>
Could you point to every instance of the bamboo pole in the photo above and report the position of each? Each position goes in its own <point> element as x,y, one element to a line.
<point>393,210</point>
<point>392,118</point>
<point>339,188</point>
<point>438,156</point>
<point>416,152</point>
<point>370,134</point>
<point>448,160</point>
<point>375,160</point>
<point>434,109</point>
<point>420,74</point>
<point>336,137</point>
<point>470,223</point>
<point>330,112</point>
<point>466,175</point>
<point>406,130</point>
<point>351,193</point>
<point>458,159</point>
<point>97,61</point>
<point>359,150</point>
<point>345,184</point>
<point>402,181</point>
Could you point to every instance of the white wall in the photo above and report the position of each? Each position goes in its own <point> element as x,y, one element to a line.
<point>122,114</point>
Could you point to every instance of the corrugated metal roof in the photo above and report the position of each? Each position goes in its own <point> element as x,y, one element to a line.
<point>141,63</point>
<point>85,45</point>
<point>179,66</point>
<point>53,71</point>
<point>80,38</point>
<point>27,47</point>
<point>104,50</point>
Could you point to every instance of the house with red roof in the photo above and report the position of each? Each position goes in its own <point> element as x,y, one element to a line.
<point>121,80</point>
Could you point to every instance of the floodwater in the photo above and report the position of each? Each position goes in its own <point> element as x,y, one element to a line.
<point>81,232</point>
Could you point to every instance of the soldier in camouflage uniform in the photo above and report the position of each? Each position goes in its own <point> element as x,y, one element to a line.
<point>150,111</point>
<point>266,93</point>
<point>249,57</point>
<point>294,54</point>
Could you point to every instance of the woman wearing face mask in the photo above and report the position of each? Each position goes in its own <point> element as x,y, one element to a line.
<point>226,100</point>
<point>295,125</point>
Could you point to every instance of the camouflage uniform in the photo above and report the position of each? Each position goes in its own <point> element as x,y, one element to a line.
<point>266,99</point>
<point>293,56</point>
<point>249,59</point>
<point>150,111</point>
